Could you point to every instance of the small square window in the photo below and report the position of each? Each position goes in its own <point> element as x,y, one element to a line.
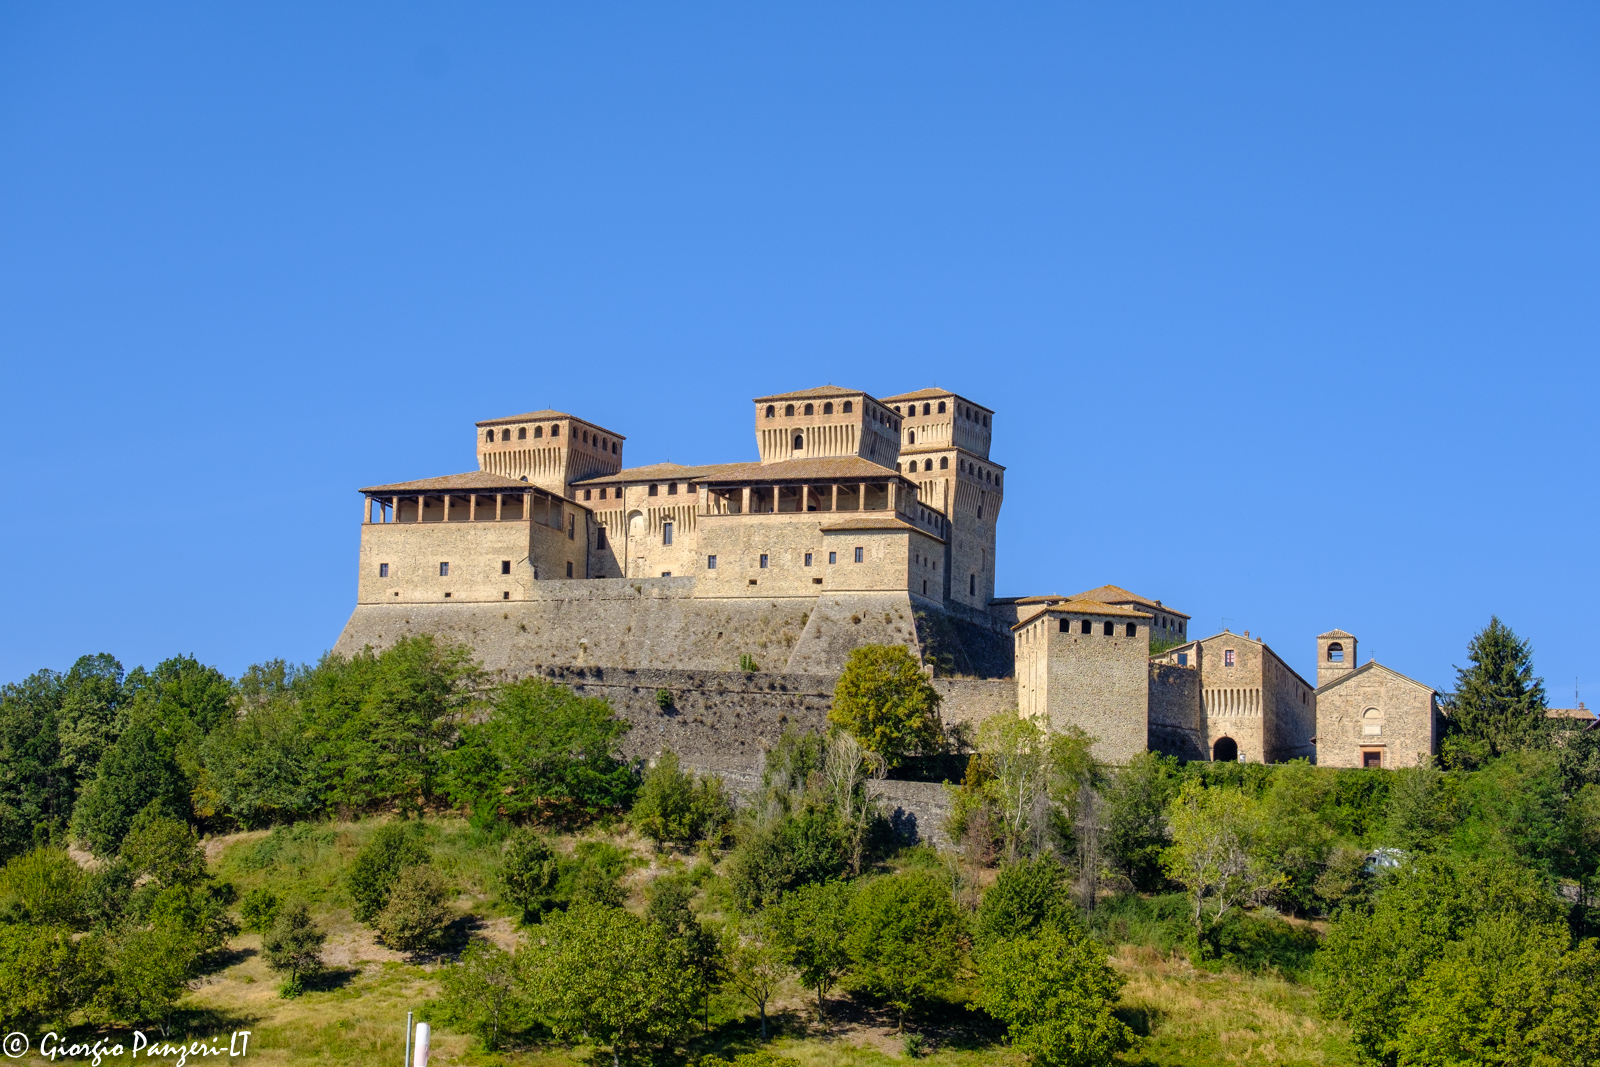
<point>861,555</point>
<point>1227,657</point>
<point>833,557</point>
<point>1183,659</point>
<point>383,570</point>
<point>444,570</point>
<point>666,574</point>
<point>711,563</point>
<point>506,595</point>
<point>569,568</point>
<point>447,596</point>
<point>752,581</point>
<point>505,566</point>
<point>816,581</point>
<point>808,559</point>
<point>763,560</point>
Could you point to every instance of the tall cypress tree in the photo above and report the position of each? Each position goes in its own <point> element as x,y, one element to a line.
<point>1498,705</point>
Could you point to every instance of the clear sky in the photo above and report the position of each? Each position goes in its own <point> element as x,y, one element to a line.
<point>1288,311</point>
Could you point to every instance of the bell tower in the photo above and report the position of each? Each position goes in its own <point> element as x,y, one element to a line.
<point>1336,656</point>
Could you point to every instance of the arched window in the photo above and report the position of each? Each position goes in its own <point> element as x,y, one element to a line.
<point>927,464</point>
<point>897,409</point>
<point>613,448</point>
<point>911,437</point>
<point>771,411</point>
<point>809,410</point>
<point>941,407</point>
<point>489,436</point>
<point>799,442</point>
<point>827,409</point>
<point>586,437</point>
<point>538,432</point>
<point>848,406</point>
<point>788,409</point>
<point>1336,653</point>
<point>1084,625</point>
<point>944,463</point>
<point>555,431</point>
<point>1109,629</point>
<point>926,409</point>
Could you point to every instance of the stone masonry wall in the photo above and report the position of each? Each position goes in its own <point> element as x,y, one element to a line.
<point>1176,722</point>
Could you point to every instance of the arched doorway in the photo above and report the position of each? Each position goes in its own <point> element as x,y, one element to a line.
<point>1226,750</point>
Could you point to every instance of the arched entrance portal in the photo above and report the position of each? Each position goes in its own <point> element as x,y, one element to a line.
<point>1226,750</point>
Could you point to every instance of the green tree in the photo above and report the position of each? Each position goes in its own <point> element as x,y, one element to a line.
<point>417,916</point>
<point>809,927</point>
<point>44,888</point>
<point>904,939</point>
<point>378,864</point>
<point>293,947</point>
<point>1136,817</point>
<point>482,993</point>
<point>44,974</point>
<point>676,806</point>
<point>259,765</point>
<point>1026,895</point>
<point>887,703</point>
<point>146,969</point>
<point>1295,835</point>
<point>139,770</point>
<point>1056,995</point>
<point>543,754</point>
<point>162,849</point>
<point>1216,852</point>
<point>259,909</point>
<point>528,872</point>
<point>380,723</point>
<point>794,850</point>
<point>1498,705</point>
<point>755,968</point>
<point>604,976</point>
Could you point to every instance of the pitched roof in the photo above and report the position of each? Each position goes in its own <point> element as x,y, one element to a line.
<point>659,472</point>
<point>1369,666</point>
<point>533,416</point>
<point>880,520</point>
<point>1335,633</point>
<point>481,481</point>
<point>1569,713</point>
<point>834,468</point>
<point>929,394</point>
<point>1115,594</point>
<point>821,390</point>
<point>1085,607</point>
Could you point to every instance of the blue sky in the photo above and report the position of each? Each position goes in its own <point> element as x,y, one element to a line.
<point>1289,312</point>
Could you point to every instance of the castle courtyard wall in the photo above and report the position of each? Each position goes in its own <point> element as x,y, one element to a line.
<point>1177,725</point>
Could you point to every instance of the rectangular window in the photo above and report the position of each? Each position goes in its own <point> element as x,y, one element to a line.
<point>1133,630</point>
<point>763,560</point>
<point>672,489</point>
<point>666,533</point>
<point>506,595</point>
<point>833,557</point>
<point>972,585</point>
<point>1109,629</point>
<point>569,568</point>
<point>808,559</point>
<point>600,537</point>
<point>1371,757</point>
<point>587,494</point>
<point>1183,659</point>
<point>1227,657</point>
<point>861,555</point>
<point>383,570</point>
<point>1066,626</point>
<point>666,574</point>
<point>654,490</point>
<point>572,527</point>
<point>1084,626</point>
<point>505,566</point>
<point>444,570</point>
<point>711,563</point>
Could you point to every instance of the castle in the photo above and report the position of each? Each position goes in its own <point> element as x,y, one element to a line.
<point>863,520</point>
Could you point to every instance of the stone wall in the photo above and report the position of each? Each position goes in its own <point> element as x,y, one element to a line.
<point>1176,723</point>
<point>1375,708</point>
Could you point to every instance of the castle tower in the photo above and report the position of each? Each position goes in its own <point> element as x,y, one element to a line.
<point>550,449</point>
<point>945,448</point>
<point>826,423</point>
<point>1336,656</point>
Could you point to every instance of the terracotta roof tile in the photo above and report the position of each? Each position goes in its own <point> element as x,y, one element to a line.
<point>534,416</point>
<point>1115,594</point>
<point>481,481</point>
<point>932,394</point>
<point>1086,607</point>
<point>809,394</point>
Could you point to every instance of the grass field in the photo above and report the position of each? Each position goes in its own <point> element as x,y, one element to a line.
<point>355,1014</point>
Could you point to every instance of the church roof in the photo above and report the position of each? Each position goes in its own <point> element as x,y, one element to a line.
<point>1370,666</point>
<point>1115,594</point>
<point>821,390</point>
<point>482,481</point>
<point>1086,607</point>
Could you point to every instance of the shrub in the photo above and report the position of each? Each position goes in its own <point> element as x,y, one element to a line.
<point>293,947</point>
<point>794,850</point>
<point>904,939</point>
<point>417,915</point>
<point>44,888</point>
<point>163,849</point>
<point>375,868</point>
<point>1055,993</point>
<point>594,874</point>
<point>747,663</point>
<point>1026,895</point>
<point>44,974</point>
<point>259,911</point>
<point>528,872</point>
<point>673,805</point>
<point>482,993</point>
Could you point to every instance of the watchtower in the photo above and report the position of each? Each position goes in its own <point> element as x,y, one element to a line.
<point>1336,656</point>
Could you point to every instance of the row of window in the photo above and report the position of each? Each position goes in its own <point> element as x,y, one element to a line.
<point>833,557</point>
<point>1108,629</point>
<point>827,409</point>
<point>655,490</point>
<point>944,464</point>
<point>601,442</point>
<point>961,409</point>
<point>444,568</point>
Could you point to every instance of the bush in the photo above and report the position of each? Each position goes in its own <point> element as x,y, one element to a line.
<point>1055,993</point>
<point>1026,895</point>
<point>529,870</point>
<point>594,874</point>
<point>673,805</point>
<point>794,850</point>
<point>375,868</point>
<point>259,911</point>
<point>44,888</point>
<point>163,849</point>
<point>44,974</point>
<point>293,947</point>
<point>904,939</point>
<point>417,915</point>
